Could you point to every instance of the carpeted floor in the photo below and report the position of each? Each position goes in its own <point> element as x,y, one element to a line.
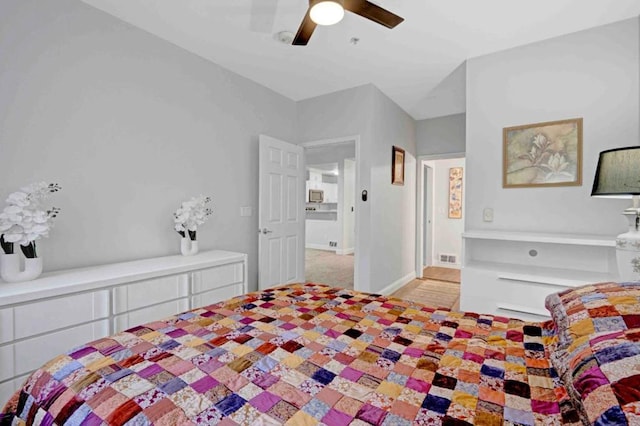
<point>326,267</point>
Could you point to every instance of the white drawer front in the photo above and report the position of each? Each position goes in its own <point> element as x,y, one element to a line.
<point>52,314</point>
<point>210,279</point>
<point>485,292</point>
<point>215,296</point>
<point>153,313</point>
<point>6,363</point>
<point>32,353</point>
<point>145,293</point>
<point>7,389</point>
<point>6,325</point>
<point>530,294</point>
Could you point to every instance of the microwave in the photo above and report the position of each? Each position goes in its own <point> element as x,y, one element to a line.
<point>316,195</point>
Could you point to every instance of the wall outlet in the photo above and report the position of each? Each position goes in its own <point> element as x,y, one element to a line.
<point>245,211</point>
<point>333,244</point>
<point>487,215</point>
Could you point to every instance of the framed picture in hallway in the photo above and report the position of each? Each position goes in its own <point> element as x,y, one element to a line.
<point>543,154</point>
<point>397,166</point>
<point>455,193</point>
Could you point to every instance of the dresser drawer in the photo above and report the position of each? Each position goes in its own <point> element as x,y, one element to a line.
<point>152,313</point>
<point>53,314</point>
<point>217,295</point>
<point>7,361</point>
<point>213,278</point>
<point>6,325</point>
<point>145,293</point>
<point>32,353</point>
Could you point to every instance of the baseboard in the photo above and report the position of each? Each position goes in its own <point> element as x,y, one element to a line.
<point>319,247</point>
<point>345,251</point>
<point>397,284</point>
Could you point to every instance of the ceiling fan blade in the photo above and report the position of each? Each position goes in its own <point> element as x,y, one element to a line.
<point>305,31</point>
<point>373,12</point>
<point>263,14</point>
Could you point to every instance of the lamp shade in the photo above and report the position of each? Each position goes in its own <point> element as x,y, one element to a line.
<point>618,173</point>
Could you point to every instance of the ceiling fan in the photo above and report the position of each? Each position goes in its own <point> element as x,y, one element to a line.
<point>329,12</point>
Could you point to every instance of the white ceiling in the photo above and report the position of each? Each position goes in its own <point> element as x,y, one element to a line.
<point>413,64</point>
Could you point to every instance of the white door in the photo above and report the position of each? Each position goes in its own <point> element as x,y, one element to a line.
<point>281,216</point>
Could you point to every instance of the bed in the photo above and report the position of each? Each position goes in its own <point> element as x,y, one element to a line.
<point>309,354</point>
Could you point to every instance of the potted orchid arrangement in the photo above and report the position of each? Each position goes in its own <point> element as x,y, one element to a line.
<point>187,218</point>
<point>22,222</point>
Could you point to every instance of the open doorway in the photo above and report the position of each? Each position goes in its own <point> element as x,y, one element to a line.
<point>330,212</point>
<point>441,210</point>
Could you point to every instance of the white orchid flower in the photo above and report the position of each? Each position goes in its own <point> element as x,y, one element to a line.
<point>19,199</point>
<point>14,234</point>
<point>22,221</point>
<point>191,214</point>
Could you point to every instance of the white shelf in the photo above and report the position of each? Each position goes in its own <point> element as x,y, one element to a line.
<point>513,272</point>
<point>322,211</point>
<point>575,239</point>
<point>541,275</point>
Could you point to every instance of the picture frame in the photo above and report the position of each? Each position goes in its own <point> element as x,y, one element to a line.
<point>547,154</point>
<point>397,166</point>
<point>455,192</point>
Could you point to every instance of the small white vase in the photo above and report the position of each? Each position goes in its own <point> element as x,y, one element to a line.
<point>188,247</point>
<point>10,268</point>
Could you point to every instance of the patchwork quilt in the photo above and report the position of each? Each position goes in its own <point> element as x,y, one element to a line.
<point>598,350</point>
<point>305,355</point>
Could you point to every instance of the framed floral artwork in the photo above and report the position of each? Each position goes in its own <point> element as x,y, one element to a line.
<point>543,154</point>
<point>455,193</point>
<point>397,166</point>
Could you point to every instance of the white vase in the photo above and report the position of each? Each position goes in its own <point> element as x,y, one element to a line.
<point>188,247</point>
<point>10,268</point>
<point>628,251</point>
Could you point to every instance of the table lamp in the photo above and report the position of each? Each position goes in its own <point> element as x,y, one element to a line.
<point>618,176</point>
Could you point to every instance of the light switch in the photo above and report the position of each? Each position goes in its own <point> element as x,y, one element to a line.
<point>245,211</point>
<point>487,215</point>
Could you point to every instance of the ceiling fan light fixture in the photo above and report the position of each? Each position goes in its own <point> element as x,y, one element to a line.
<point>327,12</point>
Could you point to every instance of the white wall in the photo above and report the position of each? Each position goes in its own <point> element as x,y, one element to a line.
<point>325,154</point>
<point>130,126</point>
<point>592,74</point>
<point>386,222</point>
<point>393,208</point>
<point>447,232</point>
<point>441,135</point>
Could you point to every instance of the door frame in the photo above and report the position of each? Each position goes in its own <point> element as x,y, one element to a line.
<point>420,213</point>
<point>357,259</point>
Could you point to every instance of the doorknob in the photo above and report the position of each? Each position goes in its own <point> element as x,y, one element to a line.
<point>265,231</point>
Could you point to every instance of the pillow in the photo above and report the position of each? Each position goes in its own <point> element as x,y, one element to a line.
<point>594,308</point>
<point>597,349</point>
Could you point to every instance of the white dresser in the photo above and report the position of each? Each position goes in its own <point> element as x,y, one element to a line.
<point>511,273</point>
<point>42,318</point>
